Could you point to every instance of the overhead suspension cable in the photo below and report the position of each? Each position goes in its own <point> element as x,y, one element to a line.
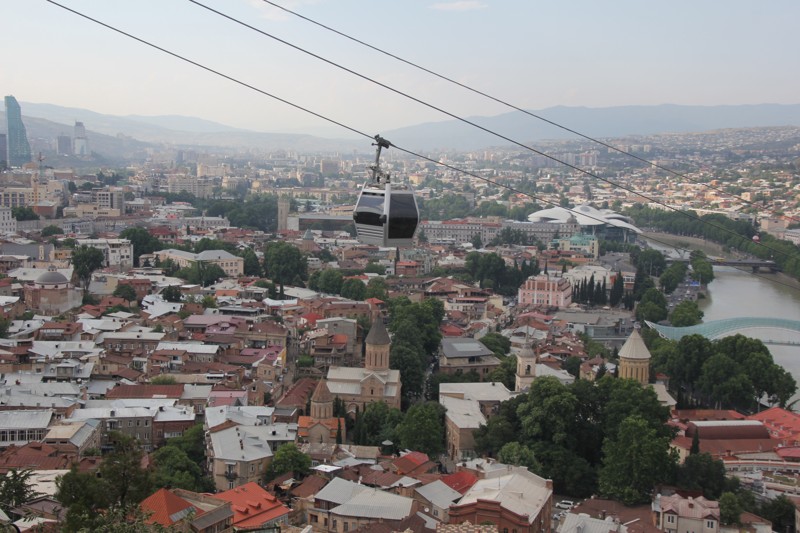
<point>339,123</point>
<point>473,124</point>
<point>511,106</point>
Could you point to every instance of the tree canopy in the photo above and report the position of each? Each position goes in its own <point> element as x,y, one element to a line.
<point>86,260</point>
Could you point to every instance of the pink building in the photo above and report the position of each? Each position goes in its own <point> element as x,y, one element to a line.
<point>545,289</point>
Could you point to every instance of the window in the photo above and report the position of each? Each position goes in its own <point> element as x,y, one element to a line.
<point>671,518</point>
<point>346,526</point>
<point>710,524</point>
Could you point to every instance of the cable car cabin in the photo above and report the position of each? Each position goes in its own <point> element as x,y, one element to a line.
<point>386,216</point>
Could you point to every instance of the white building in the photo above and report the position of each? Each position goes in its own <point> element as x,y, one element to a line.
<point>116,252</point>
<point>8,224</point>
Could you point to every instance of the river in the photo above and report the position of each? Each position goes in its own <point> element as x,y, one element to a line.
<point>737,293</point>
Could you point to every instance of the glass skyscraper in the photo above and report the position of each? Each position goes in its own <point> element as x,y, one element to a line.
<point>18,150</point>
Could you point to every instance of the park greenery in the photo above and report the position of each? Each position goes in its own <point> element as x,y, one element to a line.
<point>734,372</point>
<point>732,234</point>
<point>416,334</point>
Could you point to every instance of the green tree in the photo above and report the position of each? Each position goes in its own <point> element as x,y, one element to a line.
<point>422,429</point>
<point>652,262</point>
<point>572,365</point>
<point>252,266</point>
<point>126,291</point>
<point>86,260</point>
<point>330,281</point>
<point>163,379</point>
<point>700,471</point>
<point>128,482</point>
<point>354,289</point>
<point>635,460</point>
<point>410,361</point>
<point>49,231</point>
<point>202,273</point>
<point>506,373</point>
<point>725,382</point>
<point>730,510</point>
<point>376,424</point>
<point>192,442</point>
<point>376,288</point>
<point>284,263</point>
<point>142,241</point>
<point>617,290</point>
<point>172,468</point>
<point>375,268</point>
<point>686,313</point>
<point>549,412</point>
<point>85,497</point>
<point>119,484</point>
<point>208,302</point>
<point>16,488</point>
<point>490,438</point>
<point>780,511</point>
<point>518,454</point>
<point>23,213</point>
<point>172,293</point>
<point>651,312</point>
<point>288,458</point>
<point>497,343</point>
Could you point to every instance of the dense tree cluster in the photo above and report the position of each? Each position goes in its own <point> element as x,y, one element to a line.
<point>686,313</point>
<point>570,430</point>
<point>415,341</point>
<point>491,271</point>
<point>120,483</point>
<point>589,292</point>
<point>734,234</point>
<point>733,372</point>
<point>285,264</point>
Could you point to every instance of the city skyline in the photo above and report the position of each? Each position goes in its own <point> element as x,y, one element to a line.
<point>534,56</point>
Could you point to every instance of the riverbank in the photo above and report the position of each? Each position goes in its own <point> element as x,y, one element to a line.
<point>711,248</point>
<point>691,243</point>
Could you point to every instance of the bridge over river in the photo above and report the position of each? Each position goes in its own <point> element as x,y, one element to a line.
<point>754,264</point>
<point>716,329</point>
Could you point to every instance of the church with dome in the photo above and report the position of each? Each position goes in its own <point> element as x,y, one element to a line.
<point>375,382</point>
<point>51,293</point>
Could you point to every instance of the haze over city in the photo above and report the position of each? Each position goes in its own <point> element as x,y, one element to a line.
<point>533,54</point>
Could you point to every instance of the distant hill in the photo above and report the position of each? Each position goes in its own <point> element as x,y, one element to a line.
<point>608,122</point>
<point>185,132</point>
<point>116,135</point>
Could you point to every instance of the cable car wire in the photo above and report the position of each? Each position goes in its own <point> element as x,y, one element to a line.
<point>347,127</point>
<point>485,129</point>
<point>512,106</point>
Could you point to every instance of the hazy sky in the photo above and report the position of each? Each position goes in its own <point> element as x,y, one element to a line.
<point>532,53</point>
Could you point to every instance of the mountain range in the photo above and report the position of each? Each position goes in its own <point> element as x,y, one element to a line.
<point>123,136</point>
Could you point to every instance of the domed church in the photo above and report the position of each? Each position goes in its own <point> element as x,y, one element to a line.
<point>51,293</point>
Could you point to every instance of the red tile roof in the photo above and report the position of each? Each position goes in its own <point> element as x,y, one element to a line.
<point>166,508</point>
<point>460,481</point>
<point>309,487</point>
<point>252,506</point>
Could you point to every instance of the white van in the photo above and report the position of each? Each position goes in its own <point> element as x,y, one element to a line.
<point>565,504</point>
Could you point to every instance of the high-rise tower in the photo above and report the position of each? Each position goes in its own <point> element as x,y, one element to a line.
<point>80,144</point>
<point>18,149</point>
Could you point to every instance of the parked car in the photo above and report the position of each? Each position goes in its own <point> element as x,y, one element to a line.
<point>565,504</point>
